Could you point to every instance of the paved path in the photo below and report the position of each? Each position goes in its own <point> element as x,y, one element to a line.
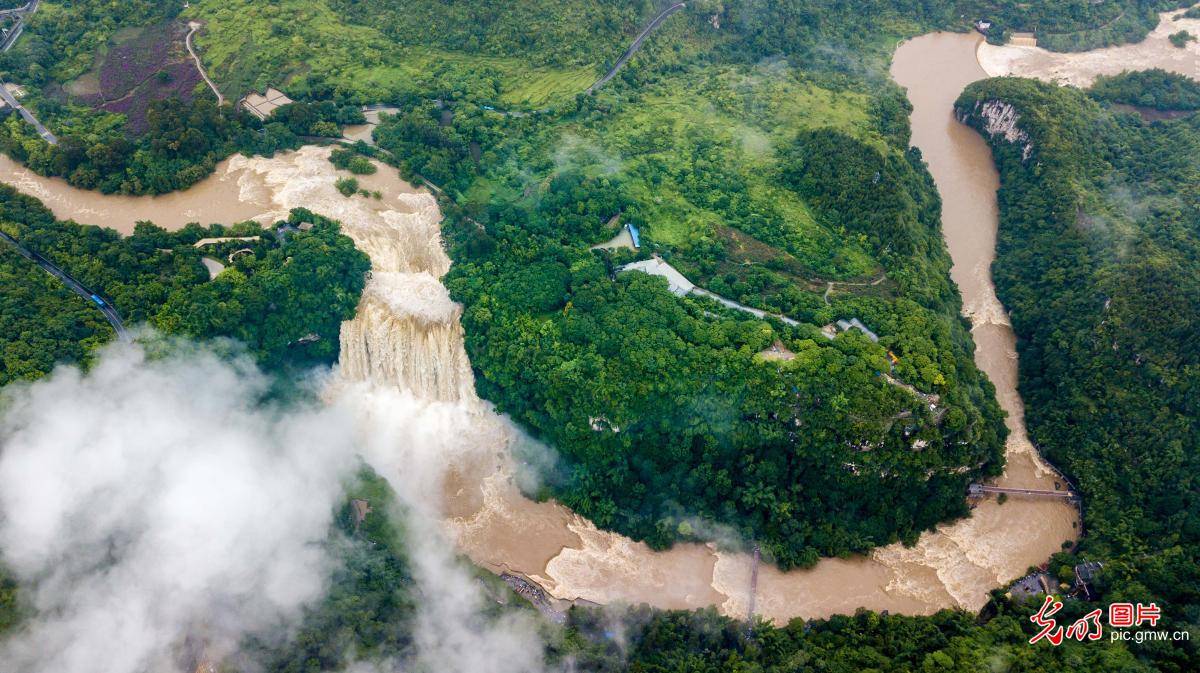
<point>75,286</point>
<point>979,489</point>
<point>757,313</point>
<point>637,44</point>
<point>193,27</point>
<point>21,13</point>
<point>37,125</point>
<point>29,6</point>
<point>221,239</point>
<point>679,285</point>
<point>45,133</point>
<point>829,285</point>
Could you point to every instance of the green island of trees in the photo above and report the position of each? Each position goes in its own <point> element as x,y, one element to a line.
<point>1155,88</point>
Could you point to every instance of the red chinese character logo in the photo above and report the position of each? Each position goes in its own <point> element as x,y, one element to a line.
<point>1148,613</point>
<point>1120,615</point>
<point>1086,627</point>
<point>1044,618</point>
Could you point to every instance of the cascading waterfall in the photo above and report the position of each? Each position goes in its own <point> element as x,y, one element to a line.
<point>407,335</point>
<point>405,374</point>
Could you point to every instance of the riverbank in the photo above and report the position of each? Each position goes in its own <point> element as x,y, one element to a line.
<point>412,345</point>
<point>1081,69</point>
<point>227,196</point>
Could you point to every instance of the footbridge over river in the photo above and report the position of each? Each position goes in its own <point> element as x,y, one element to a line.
<point>980,490</point>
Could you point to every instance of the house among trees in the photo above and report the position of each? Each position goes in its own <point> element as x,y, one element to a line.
<point>1085,574</point>
<point>635,236</point>
<point>628,237</point>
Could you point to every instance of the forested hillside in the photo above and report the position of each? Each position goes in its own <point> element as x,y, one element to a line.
<point>269,299</point>
<point>759,148</point>
<point>1098,262</point>
<point>744,141</point>
<point>668,419</point>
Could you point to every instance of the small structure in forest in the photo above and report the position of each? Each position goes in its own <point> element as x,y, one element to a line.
<point>262,105</point>
<point>1085,575</point>
<point>1023,40</point>
<point>855,323</point>
<point>635,235</point>
<point>777,351</point>
<point>1031,585</point>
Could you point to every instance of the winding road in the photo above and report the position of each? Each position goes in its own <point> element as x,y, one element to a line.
<point>19,12</point>
<point>22,13</point>
<point>193,26</point>
<point>75,286</point>
<point>637,44</point>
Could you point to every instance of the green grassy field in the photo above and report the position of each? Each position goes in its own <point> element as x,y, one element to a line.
<point>700,152</point>
<point>249,46</point>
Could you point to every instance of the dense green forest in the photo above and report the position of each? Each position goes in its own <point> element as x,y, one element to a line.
<point>947,642</point>
<point>1098,261</point>
<point>717,148</point>
<point>662,408</point>
<point>180,144</point>
<point>760,148</point>
<point>369,607</point>
<point>1157,89</point>
<point>270,299</point>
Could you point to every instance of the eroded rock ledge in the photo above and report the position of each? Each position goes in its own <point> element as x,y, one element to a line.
<point>1000,118</point>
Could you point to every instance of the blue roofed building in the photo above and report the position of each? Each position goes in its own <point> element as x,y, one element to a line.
<point>635,235</point>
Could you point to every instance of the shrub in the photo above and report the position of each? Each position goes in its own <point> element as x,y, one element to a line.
<point>347,186</point>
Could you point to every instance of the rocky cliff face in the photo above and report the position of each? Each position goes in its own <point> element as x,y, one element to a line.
<point>1000,118</point>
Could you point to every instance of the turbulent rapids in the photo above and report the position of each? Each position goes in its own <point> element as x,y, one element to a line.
<point>404,372</point>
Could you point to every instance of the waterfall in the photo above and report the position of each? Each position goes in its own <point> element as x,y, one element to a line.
<point>407,335</point>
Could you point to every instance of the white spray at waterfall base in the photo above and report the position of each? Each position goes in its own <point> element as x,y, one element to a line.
<point>411,441</point>
<point>157,512</point>
<point>404,375</point>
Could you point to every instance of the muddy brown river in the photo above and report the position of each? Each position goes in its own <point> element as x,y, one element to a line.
<point>403,360</point>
